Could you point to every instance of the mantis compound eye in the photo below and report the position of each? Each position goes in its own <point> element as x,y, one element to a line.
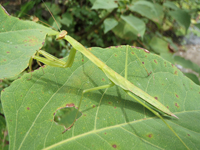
<point>61,35</point>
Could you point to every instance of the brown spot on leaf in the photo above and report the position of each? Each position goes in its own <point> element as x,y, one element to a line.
<point>188,134</point>
<point>142,62</point>
<point>177,96</point>
<point>156,98</point>
<point>7,52</point>
<point>82,60</point>
<point>150,135</point>
<point>176,72</point>
<point>103,79</point>
<point>109,102</point>
<point>114,146</point>
<point>28,108</point>
<point>155,61</point>
<point>132,52</point>
<point>176,104</point>
<point>115,54</point>
<point>115,107</point>
<point>93,106</point>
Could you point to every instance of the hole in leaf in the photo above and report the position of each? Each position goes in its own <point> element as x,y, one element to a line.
<point>66,116</point>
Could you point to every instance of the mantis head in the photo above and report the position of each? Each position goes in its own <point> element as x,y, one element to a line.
<point>61,35</point>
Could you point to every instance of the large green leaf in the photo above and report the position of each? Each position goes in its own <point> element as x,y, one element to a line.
<point>19,41</point>
<point>170,4</point>
<point>152,11</point>
<point>111,119</point>
<point>182,17</point>
<point>187,64</point>
<point>104,4</point>
<point>137,24</point>
<point>109,24</point>
<point>129,27</point>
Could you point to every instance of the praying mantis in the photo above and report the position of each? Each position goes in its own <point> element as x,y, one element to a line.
<point>115,79</point>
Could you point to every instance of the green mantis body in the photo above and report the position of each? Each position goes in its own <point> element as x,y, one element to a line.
<point>114,77</point>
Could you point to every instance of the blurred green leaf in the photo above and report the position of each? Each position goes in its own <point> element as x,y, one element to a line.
<point>159,45</point>
<point>193,77</point>
<point>67,19</point>
<point>2,127</point>
<point>104,4</point>
<point>170,4</point>
<point>26,7</point>
<point>55,24</point>
<point>54,9</point>
<point>3,134</point>
<point>152,11</point>
<point>182,17</point>
<point>130,27</point>
<point>187,64</point>
<point>109,24</point>
<point>167,56</point>
<point>197,25</point>
<point>124,30</point>
<point>137,24</point>
<point>19,41</point>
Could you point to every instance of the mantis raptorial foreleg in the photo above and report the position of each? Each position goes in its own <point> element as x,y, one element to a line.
<point>52,60</point>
